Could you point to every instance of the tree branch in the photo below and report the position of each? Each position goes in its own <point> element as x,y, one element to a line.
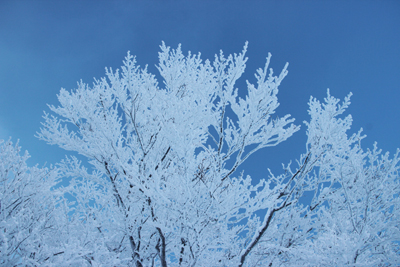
<point>162,252</point>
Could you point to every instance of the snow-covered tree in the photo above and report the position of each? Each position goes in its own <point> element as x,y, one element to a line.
<point>26,209</point>
<point>353,217</point>
<point>165,190</point>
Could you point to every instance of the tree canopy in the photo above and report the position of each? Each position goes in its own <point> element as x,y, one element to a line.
<point>164,187</point>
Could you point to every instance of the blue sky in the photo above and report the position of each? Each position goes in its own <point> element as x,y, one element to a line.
<point>342,45</point>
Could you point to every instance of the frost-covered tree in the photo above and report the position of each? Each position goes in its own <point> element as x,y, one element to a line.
<point>26,210</point>
<point>37,227</point>
<point>165,190</point>
<point>353,217</point>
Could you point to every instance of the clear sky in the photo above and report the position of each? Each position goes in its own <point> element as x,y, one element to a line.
<point>347,46</point>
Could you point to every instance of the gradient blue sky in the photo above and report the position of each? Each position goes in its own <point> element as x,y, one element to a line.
<point>342,45</point>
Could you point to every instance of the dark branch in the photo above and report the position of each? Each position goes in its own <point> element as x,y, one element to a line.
<point>162,250</point>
